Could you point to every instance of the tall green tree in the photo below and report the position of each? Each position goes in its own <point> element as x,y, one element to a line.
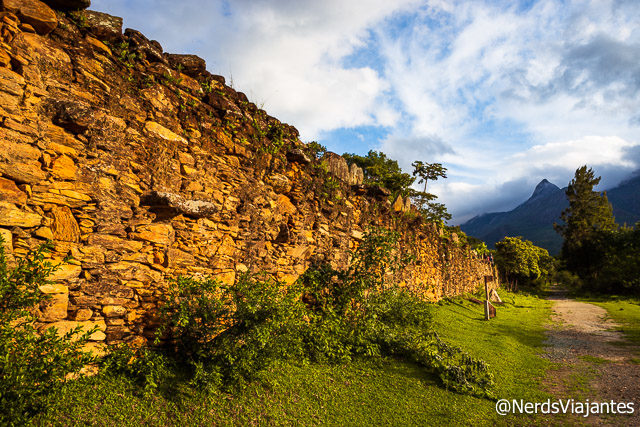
<point>589,212</point>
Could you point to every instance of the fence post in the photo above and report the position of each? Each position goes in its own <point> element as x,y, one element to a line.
<point>487,279</point>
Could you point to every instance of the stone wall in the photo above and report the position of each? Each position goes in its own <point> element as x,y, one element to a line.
<point>143,166</point>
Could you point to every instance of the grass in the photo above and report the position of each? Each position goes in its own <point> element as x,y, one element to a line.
<point>594,360</point>
<point>365,392</point>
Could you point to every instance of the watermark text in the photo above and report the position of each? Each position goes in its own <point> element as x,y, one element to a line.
<point>563,406</point>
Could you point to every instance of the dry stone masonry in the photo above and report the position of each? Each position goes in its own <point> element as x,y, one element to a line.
<point>142,166</point>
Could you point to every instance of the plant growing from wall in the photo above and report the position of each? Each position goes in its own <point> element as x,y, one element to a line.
<point>80,19</point>
<point>124,54</point>
<point>430,210</point>
<point>330,189</point>
<point>315,149</point>
<point>32,363</point>
<point>380,170</point>
<point>428,172</point>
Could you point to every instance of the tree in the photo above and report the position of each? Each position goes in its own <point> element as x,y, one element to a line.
<point>430,210</point>
<point>379,169</point>
<point>521,262</point>
<point>613,261</point>
<point>589,212</point>
<point>428,171</point>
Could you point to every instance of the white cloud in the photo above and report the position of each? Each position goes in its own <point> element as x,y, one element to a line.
<point>516,94</point>
<point>591,150</point>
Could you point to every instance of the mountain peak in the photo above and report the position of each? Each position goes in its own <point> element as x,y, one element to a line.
<point>544,187</point>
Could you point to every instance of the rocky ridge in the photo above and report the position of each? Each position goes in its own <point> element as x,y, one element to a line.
<point>141,165</point>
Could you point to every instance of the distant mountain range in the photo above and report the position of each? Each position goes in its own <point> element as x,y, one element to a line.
<point>534,218</point>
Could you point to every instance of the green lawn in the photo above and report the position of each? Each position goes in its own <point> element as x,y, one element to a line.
<point>362,393</point>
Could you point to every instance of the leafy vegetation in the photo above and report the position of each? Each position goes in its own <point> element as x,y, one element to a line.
<point>588,212</point>
<point>123,52</point>
<point>430,210</point>
<point>603,256</point>
<point>315,149</point>
<point>428,172</point>
<point>80,19</point>
<point>370,391</point>
<point>227,335</point>
<point>32,363</point>
<point>615,261</point>
<point>378,169</point>
<point>522,263</point>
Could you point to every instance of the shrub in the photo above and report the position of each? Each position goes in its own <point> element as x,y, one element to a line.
<point>353,313</point>
<point>32,364</point>
<point>230,333</point>
<point>145,366</point>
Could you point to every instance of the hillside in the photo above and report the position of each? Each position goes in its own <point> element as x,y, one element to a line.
<point>534,218</point>
<point>625,199</point>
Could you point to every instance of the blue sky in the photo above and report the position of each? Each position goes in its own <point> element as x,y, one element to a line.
<point>503,93</point>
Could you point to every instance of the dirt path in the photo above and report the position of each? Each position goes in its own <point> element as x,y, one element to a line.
<point>594,360</point>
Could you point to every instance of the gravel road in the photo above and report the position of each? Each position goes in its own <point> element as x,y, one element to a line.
<point>594,361</point>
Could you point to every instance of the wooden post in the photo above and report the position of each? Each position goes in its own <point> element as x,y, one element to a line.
<point>487,279</point>
<point>486,299</point>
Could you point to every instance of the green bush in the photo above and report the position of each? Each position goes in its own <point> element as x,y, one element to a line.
<point>611,261</point>
<point>568,279</point>
<point>396,322</point>
<point>229,334</point>
<point>145,366</point>
<point>32,364</point>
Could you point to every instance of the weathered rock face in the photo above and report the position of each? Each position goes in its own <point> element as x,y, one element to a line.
<point>191,65</point>
<point>33,12</point>
<point>142,170</point>
<point>103,26</point>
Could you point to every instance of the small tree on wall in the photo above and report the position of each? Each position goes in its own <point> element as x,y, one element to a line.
<point>430,210</point>
<point>428,172</point>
